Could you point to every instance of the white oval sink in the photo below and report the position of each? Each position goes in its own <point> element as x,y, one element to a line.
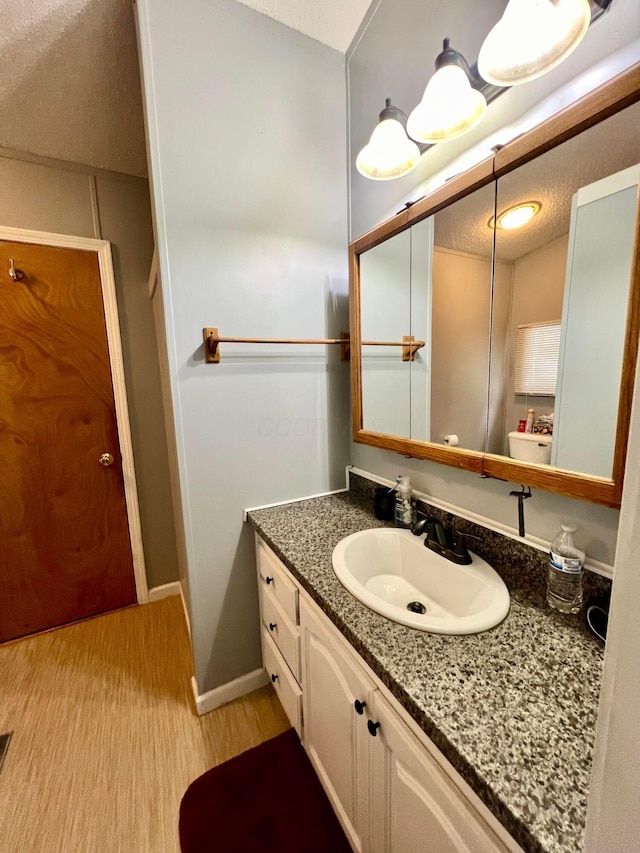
<point>388,569</point>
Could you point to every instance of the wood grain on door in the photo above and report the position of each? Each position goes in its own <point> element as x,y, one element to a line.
<point>65,550</point>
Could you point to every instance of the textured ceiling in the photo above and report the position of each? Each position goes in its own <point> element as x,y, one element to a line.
<point>70,77</point>
<point>552,180</point>
<point>333,22</point>
<point>70,82</point>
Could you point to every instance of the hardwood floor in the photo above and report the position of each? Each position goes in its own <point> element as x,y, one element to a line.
<point>106,738</point>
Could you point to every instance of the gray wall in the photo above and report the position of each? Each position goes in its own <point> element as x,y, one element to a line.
<point>247,126</point>
<point>62,198</point>
<point>392,57</point>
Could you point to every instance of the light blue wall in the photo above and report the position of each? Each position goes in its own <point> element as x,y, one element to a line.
<point>393,57</point>
<point>247,128</point>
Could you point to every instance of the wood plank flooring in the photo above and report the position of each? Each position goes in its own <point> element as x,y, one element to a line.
<point>106,738</point>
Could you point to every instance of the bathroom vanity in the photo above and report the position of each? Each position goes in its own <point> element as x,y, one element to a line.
<point>424,741</point>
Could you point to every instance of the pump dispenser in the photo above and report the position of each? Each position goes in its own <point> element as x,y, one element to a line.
<point>404,503</point>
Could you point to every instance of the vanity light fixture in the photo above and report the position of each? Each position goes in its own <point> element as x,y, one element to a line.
<point>390,153</point>
<point>516,216</point>
<point>531,38</point>
<point>449,106</point>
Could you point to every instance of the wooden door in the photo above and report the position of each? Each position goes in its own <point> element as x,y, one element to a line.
<point>335,734</point>
<point>65,551</point>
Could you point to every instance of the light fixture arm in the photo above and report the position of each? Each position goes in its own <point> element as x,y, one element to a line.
<point>450,56</point>
<point>394,113</point>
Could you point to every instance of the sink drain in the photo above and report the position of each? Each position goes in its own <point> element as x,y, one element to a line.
<point>416,607</point>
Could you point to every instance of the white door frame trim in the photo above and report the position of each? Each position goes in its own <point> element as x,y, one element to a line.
<point>102,248</point>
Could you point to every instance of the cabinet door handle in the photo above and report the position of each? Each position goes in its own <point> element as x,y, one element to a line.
<point>274,678</point>
<point>272,626</point>
<point>373,728</point>
<point>268,580</point>
<point>359,706</point>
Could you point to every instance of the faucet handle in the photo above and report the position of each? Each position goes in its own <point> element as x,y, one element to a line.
<point>462,533</point>
<point>437,533</point>
<point>460,544</point>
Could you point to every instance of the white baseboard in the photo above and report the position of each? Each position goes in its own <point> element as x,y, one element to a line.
<point>213,699</point>
<point>164,591</point>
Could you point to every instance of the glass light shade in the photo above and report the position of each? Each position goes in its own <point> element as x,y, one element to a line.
<point>389,154</point>
<point>531,38</point>
<point>517,216</point>
<point>449,107</point>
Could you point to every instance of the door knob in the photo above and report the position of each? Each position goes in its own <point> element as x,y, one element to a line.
<point>105,459</point>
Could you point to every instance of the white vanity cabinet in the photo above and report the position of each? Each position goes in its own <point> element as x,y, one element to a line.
<point>417,805</point>
<point>391,789</point>
<point>280,632</point>
<point>335,733</point>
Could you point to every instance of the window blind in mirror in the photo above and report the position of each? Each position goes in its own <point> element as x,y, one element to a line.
<point>537,351</point>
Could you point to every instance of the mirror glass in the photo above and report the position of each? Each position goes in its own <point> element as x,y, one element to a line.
<point>560,299</point>
<point>385,315</point>
<point>461,320</point>
<point>431,282</point>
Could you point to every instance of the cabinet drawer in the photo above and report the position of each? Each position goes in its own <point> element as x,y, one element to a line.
<point>285,635</point>
<point>273,575</point>
<point>284,683</point>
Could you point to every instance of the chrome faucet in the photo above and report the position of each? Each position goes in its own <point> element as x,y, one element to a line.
<point>449,543</point>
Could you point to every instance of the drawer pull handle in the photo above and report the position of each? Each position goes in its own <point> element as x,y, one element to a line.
<point>272,626</point>
<point>373,728</point>
<point>359,706</point>
<point>268,580</point>
<point>274,678</point>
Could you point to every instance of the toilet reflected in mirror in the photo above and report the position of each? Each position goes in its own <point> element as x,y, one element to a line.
<point>528,447</point>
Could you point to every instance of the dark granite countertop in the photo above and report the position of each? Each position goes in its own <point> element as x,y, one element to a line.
<point>513,709</point>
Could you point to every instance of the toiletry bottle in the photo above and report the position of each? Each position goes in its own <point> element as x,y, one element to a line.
<point>404,503</point>
<point>530,419</point>
<point>564,579</point>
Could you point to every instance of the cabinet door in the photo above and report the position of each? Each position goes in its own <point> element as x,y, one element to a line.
<point>417,807</point>
<point>335,735</point>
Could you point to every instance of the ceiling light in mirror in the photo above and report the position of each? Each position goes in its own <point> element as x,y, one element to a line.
<point>390,153</point>
<point>531,38</point>
<point>517,216</point>
<point>449,106</point>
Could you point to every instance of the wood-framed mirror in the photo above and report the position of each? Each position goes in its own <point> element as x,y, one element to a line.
<point>537,322</point>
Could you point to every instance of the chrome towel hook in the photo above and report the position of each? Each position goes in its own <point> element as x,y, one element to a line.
<point>14,274</point>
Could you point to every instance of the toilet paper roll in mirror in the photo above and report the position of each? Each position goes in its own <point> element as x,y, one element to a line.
<point>451,440</point>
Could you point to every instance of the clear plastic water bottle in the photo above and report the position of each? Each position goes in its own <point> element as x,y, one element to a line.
<point>566,565</point>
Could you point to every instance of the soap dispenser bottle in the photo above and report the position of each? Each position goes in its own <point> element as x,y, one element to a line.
<point>404,503</point>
